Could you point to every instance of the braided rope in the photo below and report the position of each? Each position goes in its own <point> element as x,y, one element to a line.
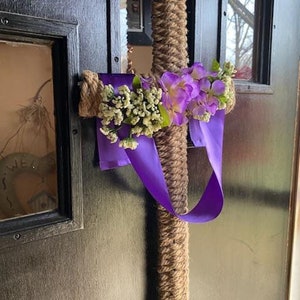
<point>90,94</point>
<point>170,53</point>
<point>173,233</point>
<point>169,22</point>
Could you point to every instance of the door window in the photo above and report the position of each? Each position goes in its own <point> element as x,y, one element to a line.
<point>248,38</point>
<point>240,36</point>
<point>39,130</point>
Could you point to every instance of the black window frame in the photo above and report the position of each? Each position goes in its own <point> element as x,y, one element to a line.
<point>262,40</point>
<point>67,217</point>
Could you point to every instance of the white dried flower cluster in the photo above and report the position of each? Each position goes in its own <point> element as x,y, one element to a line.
<point>139,109</point>
<point>226,76</point>
<point>128,143</point>
<point>229,90</point>
<point>205,117</point>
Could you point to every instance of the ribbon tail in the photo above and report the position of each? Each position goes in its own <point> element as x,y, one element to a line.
<point>145,161</point>
<point>150,172</point>
<point>211,136</point>
<point>110,155</point>
<point>212,133</point>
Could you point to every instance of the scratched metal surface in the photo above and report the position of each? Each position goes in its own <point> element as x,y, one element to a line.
<point>106,259</point>
<point>245,253</point>
<point>241,255</point>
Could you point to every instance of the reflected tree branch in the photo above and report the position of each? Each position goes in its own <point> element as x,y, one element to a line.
<point>242,11</point>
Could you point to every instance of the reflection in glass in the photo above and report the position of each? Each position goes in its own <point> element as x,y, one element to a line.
<point>134,9</point>
<point>240,36</point>
<point>28,173</point>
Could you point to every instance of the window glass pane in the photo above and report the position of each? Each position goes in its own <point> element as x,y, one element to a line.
<point>27,130</point>
<point>240,36</point>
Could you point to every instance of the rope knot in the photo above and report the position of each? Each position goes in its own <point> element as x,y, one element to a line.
<point>90,94</point>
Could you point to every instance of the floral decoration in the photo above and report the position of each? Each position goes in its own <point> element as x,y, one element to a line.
<point>147,107</point>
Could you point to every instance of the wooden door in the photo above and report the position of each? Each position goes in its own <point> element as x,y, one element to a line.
<point>105,260</point>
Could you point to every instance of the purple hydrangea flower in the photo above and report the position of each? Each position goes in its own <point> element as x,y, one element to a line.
<point>207,101</point>
<point>177,93</point>
<point>146,82</point>
<point>196,71</point>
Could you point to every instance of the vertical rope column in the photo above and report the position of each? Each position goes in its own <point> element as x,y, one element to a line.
<point>170,53</point>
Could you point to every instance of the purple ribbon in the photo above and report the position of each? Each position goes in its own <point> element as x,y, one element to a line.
<point>145,160</point>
